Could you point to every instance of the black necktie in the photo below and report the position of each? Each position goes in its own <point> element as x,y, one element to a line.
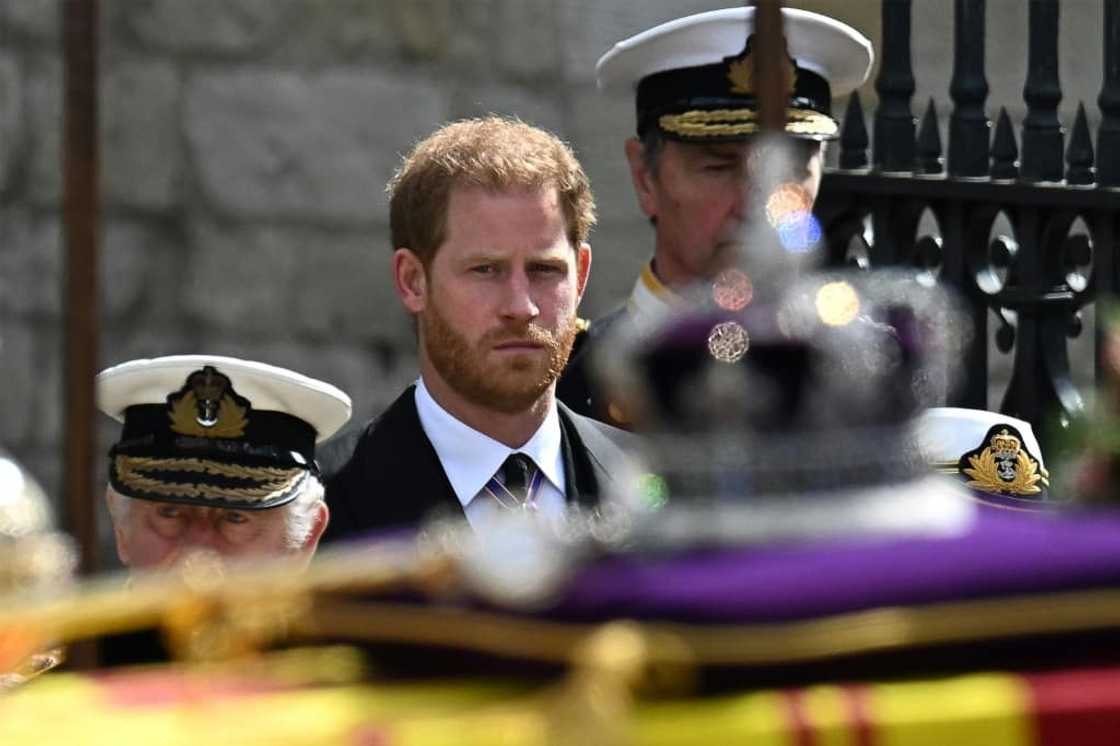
<point>517,474</point>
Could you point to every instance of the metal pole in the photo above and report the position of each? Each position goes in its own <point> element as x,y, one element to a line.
<point>772,93</point>
<point>81,204</point>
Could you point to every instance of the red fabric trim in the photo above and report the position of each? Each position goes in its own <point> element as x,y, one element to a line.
<point>800,728</point>
<point>1076,708</point>
<point>859,714</point>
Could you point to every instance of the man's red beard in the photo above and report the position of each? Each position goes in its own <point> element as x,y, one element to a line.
<point>507,384</point>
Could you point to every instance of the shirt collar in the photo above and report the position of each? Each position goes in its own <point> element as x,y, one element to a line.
<point>651,299</point>
<point>470,458</point>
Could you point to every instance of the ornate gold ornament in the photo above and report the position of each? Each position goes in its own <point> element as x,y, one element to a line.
<point>207,407</point>
<point>1004,466</point>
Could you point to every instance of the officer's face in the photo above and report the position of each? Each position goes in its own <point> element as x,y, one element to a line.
<point>156,534</point>
<point>698,195</point>
<point>497,305</point>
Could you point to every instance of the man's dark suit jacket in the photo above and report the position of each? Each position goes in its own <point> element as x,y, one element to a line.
<point>578,386</point>
<point>393,477</point>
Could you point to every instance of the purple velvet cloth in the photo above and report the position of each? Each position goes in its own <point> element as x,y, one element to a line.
<point>1004,553</point>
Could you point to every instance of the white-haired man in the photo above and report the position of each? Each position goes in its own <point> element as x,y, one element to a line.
<point>692,159</point>
<point>216,454</point>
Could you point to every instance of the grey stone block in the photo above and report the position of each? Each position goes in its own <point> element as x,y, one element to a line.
<point>306,283</point>
<point>18,394</point>
<point>11,117</point>
<point>31,398</point>
<point>344,288</point>
<point>338,31</point>
<point>121,343</point>
<point>426,27</point>
<point>48,363</point>
<point>471,49</point>
<point>44,128</point>
<point>317,146</point>
<point>210,26</point>
<point>591,27</point>
<point>30,263</point>
<point>527,39</point>
<point>141,271</point>
<point>542,109</point>
<point>619,249</point>
<point>140,151</point>
<point>40,19</point>
<point>599,127</point>
<point>239,279</point>
<point>140,136</point>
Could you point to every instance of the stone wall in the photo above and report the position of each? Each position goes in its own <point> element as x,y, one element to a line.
<point>246,144</point>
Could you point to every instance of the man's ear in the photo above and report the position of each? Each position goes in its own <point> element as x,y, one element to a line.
<point>410,280</point>
<point>583,268</point>
<point>120,532</point>
<point>643,179</point>
<point>321,517</point>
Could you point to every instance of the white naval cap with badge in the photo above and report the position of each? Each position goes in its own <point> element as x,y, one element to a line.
<point>216,431</point>
<point>694,76</point>
<point>996,456</point>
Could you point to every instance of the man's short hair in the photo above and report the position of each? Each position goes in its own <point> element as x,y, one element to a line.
<point>494,153</point>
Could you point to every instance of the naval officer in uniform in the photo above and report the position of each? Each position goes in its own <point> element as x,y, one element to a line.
<point>217,454</point>
<point>690,161</point>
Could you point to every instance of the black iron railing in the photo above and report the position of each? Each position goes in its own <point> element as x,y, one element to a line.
<point>1062,204</point>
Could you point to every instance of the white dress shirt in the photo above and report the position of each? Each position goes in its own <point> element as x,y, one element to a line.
<point>470,459</point>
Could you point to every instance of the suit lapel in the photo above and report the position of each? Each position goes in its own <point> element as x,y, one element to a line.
<point>404,468</point>
<point>431,490</point>
<point>584,475</point>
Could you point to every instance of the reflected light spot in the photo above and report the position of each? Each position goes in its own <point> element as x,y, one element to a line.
<point>732,290</point>
<point>837,303</point>
<point>653,491</point>
<point>790,211</point>
<point>728,342</point>
<point>786,200</point>
<point>800,234</point>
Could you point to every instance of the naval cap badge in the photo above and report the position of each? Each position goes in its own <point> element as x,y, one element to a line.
<point>1002,464</point>
<point>208,407</point>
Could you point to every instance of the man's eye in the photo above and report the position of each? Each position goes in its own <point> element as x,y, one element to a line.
<point>169,511</point>
<point>547,269</point>
<point>236,518</point>
<point>484,269</point>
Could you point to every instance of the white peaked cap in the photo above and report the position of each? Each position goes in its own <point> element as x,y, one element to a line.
<point>947,433</point>
<point>832,49</point>
<point>268,387</point>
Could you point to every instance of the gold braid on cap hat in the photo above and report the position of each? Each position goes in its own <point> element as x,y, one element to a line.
<point>729,122</point>
<point>273,481</point>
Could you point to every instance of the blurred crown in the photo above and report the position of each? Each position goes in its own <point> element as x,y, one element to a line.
<point>805,398</point>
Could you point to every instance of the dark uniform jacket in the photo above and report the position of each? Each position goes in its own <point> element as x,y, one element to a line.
<point>579,386</point>
<point>393,478</point>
